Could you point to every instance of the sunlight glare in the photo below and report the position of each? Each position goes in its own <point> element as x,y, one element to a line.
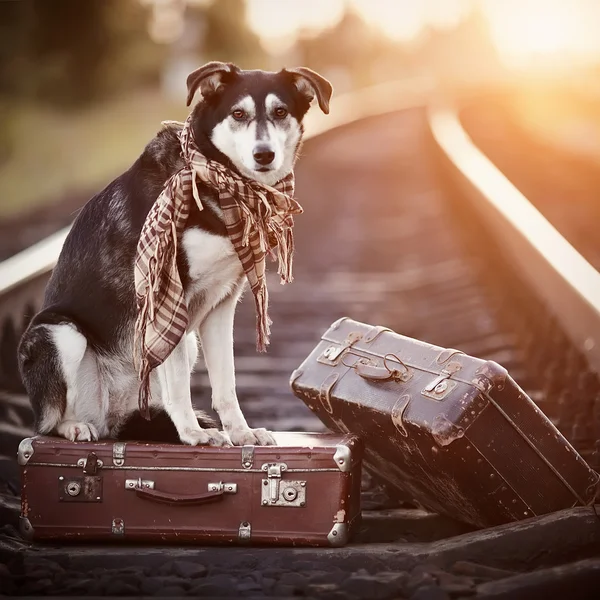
<point>404,20</point>
<point>278,22</point>
<point>553,32</point>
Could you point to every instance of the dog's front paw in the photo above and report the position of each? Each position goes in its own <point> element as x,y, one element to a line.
<point>77,431</point>
<point>204,437</point>
<point>251,437</point>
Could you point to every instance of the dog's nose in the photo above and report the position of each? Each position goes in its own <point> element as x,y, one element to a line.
<point>263,154</point>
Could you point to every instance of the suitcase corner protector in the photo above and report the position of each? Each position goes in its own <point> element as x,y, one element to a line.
<point>490,375</point>
<point>343,458</point>
<point>26,528</point>
<point>25,451</point>
<point>339,535</point>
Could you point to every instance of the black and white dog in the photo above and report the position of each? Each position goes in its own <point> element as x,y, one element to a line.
<point>76,356</point>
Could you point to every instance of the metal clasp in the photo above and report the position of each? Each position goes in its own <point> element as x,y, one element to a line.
<point>118,454</point>
<point>274,474</point>
<point>91,464</point>
<point>245,531</point>
<point>118,527</point>
<point>247,456</point>
<point>132,484</point>
<point>440,387</point>
<point>281,492</point>
<point>332,353</point>
<point>226,488</point>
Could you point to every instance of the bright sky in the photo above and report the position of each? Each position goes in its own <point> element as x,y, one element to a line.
<point>525,31</point>
<point>563,31</point>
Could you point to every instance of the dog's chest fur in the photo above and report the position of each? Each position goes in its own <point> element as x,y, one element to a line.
<point>214,271</point>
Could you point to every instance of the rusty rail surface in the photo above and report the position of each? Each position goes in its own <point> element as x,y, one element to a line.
<point>561,277</point>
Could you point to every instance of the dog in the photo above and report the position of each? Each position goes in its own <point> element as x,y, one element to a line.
<point>76,355</point>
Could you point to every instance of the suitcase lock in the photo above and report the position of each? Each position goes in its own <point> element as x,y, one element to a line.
<point>281,492</point>
<point>442,385</point>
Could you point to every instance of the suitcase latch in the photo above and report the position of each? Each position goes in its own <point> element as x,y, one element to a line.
<point>281,492</point>
<point>332,353</point>
<point>91,464</point>
<point>440,387</point>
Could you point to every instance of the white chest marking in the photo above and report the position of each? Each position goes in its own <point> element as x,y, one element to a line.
<point>214,267</point>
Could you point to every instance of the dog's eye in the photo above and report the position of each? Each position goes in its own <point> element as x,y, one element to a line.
<point>238,114</point>
<point>280,112</point>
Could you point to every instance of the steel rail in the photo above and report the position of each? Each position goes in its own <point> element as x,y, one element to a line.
<point>561,277</point>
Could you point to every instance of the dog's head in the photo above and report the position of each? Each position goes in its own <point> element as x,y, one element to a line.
<point>255,118</point>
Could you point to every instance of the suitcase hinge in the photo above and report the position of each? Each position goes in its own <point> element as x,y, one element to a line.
<point>247,456</point>
<point>118,454</point>
<point>245,531</point>
<point>118,527</point>
<point>281,492</point>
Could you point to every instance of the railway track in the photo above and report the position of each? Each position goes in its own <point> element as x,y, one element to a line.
<point>389,236</point>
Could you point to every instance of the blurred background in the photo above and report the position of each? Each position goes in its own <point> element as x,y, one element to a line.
<point>85,84</point>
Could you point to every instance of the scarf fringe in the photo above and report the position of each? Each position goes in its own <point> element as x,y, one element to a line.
<point>263,322</point>
<point>144,397</point>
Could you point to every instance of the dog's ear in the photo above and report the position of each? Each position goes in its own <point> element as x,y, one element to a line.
<point>208,78</point>
<point>309,84</point>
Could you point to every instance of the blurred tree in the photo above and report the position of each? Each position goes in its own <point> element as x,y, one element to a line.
<point>463,54</point>
<point>13,44</point>
<point>69,45</point>
<point>72,52</point>
<point>227,36</point>
<point>358,53</point>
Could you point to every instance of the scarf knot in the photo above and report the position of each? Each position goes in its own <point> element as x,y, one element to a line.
<point>258,220</point>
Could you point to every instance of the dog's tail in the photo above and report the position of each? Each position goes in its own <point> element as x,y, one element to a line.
<point>159,428</point>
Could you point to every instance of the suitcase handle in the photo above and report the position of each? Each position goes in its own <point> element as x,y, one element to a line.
<point>179,499</point>
<point>383,373</point>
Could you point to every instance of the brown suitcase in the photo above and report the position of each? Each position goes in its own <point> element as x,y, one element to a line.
<point>454,433</point>
<point>304,491</point>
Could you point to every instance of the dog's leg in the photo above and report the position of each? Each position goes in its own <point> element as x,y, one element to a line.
<point>216,335</point>
<point>61,375</point>
<point>174,376</point>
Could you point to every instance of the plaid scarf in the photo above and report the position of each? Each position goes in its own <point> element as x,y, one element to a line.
<point>258,219</point>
